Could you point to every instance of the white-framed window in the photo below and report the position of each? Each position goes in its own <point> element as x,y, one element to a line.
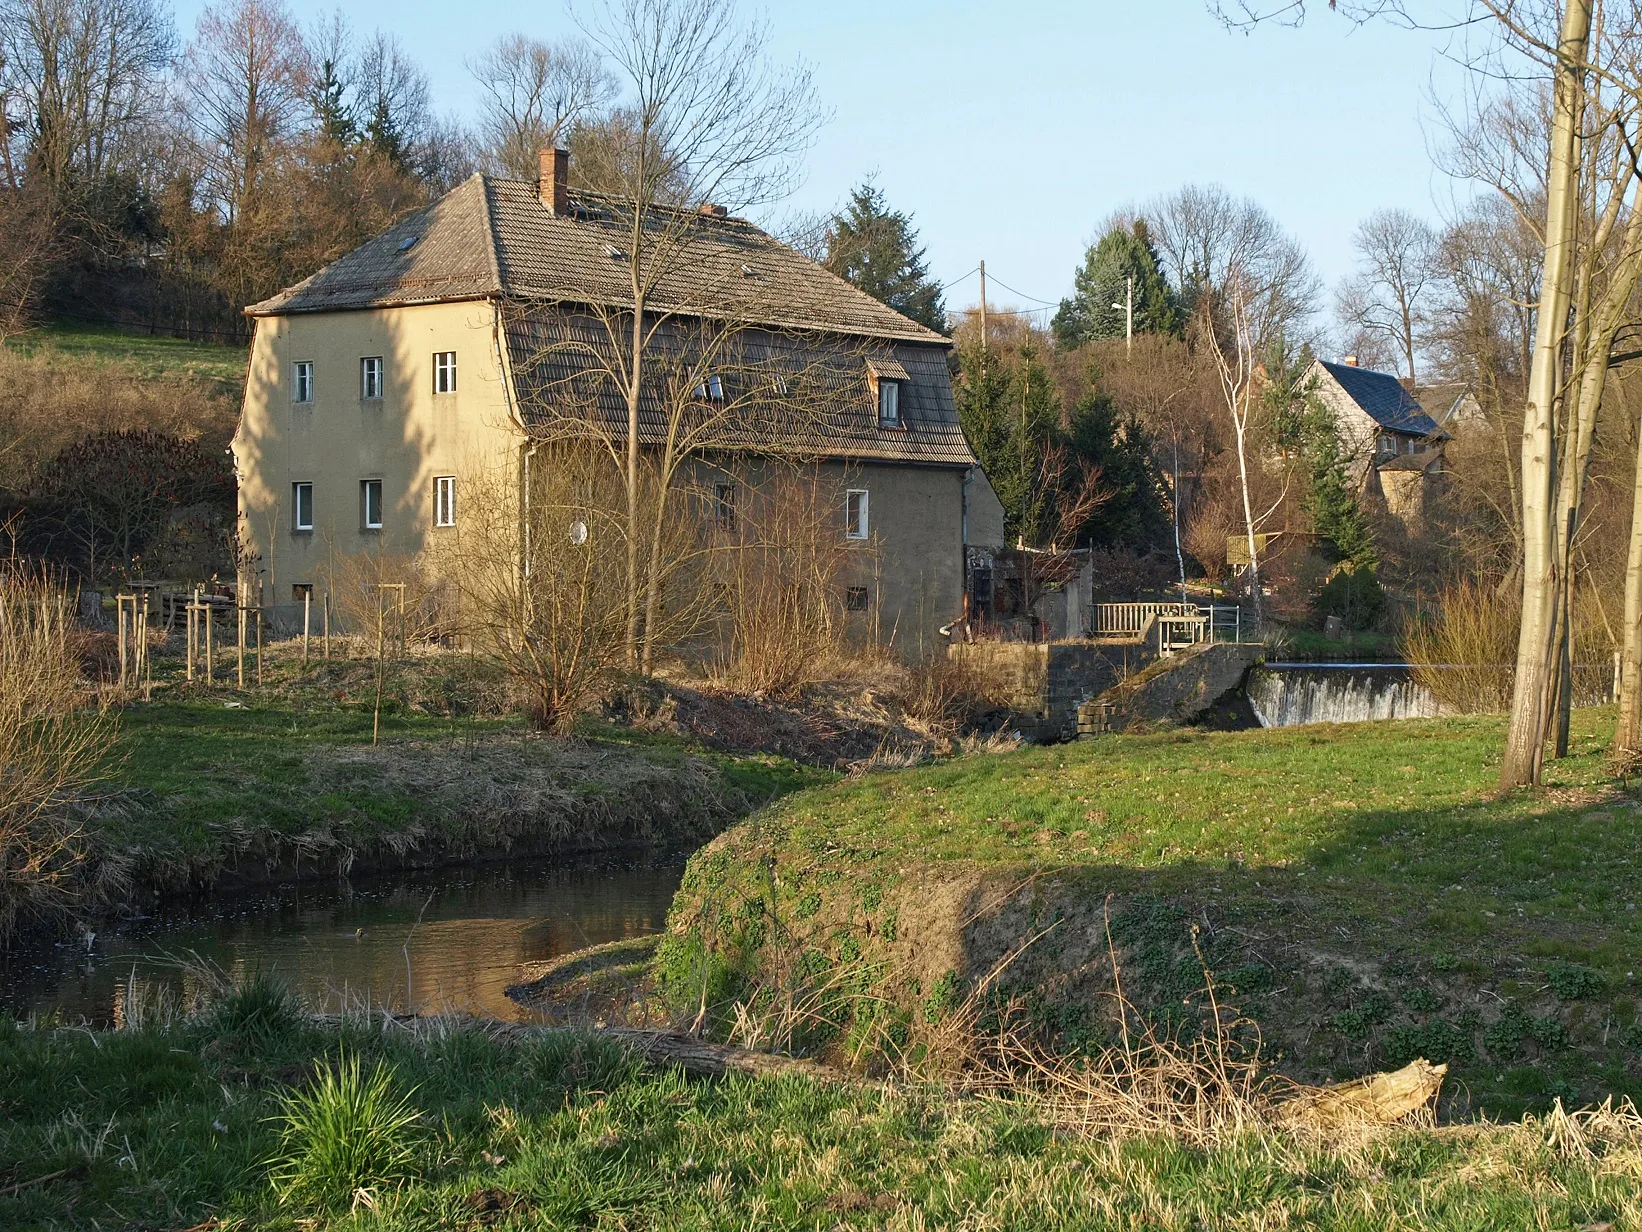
<point>302,381</point>
<point>370,504</point>
<point>444,372</point>
<point>711,389</point>
<point>370,378</point>
<point>889,404</point>
<point>302,506</point>
<point>724,506</point>
<point>856,524</point>
<point>444,500</point>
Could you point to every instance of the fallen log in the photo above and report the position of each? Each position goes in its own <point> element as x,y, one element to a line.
<point>1377,1099</point>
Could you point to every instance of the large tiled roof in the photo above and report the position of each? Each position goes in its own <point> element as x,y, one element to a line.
<point>787,392</point>
<point>494,237</point>
<point>1383,398</point>
<point>806,341</point>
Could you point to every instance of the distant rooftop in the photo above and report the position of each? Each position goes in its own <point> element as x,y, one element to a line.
<point>1383,398</point>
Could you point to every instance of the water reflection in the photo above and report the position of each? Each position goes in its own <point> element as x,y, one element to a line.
<point>450,938</point>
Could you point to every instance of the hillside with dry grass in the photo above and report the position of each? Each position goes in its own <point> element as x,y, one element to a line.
<point>65,383</point>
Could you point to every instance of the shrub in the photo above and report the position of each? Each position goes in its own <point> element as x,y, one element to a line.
<point>349,1132</point>
<point>1354,595</point>
<point>1463,650</point>
<point>109,499</point>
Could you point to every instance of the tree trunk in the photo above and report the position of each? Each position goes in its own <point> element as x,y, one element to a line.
<point>1530,706</point>
<point>1627,741</point>
<point>1248,519</point>
<point>636,369</point>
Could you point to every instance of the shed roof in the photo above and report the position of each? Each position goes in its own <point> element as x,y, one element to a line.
<point>1383,398</point>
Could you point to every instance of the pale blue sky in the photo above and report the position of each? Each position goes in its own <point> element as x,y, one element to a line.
<point>1010,129</point>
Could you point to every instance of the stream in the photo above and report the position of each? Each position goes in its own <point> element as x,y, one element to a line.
<point>429,939</point>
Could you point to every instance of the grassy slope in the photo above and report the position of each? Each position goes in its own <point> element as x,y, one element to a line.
<point>142,355</point>
<point>1373,894</point>
<point>171,1129</point>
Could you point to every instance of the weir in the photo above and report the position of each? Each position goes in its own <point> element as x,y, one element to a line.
<point>1291,694</point>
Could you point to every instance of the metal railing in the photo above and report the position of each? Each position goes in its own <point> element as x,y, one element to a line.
<point>1179,626</point>
<point>1132,619</point>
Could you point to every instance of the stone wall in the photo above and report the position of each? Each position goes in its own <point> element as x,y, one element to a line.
<point>1044,683</point>
<point>1174,690</point>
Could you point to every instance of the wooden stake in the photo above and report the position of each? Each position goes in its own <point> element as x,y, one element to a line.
<point>259,643</point>
<point>307,619</point>
<point>119,621</point>
<point>327,619</point>
<point>239,649</point>
<point>209,616</point>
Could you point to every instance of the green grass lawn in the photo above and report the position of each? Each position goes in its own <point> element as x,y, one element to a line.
<point>178,1127</point>
<point>1373,893</point>
<point>202,780</point>
<point>142,354</point>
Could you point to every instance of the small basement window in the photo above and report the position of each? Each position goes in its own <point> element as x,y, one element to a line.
<point>855,599</point>
<point>302,592</point>
<point>370,504</point>
<point>855,514</point>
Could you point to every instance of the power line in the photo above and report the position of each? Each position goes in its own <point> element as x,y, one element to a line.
<point>957,280</point>
<point>1047,303</point>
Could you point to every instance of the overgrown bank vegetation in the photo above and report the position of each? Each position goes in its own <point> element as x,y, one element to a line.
<point>248,1114</point>
<point>1361,894</point>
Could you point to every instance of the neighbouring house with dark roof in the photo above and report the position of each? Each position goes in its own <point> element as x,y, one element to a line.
<point>453,345</point>
<point>1393,449</point>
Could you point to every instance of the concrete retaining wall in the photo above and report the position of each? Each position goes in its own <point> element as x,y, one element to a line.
<point>1044,683</point>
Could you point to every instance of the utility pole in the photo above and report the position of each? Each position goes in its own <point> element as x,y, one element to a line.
<point>1128,306</point>
<point>983,307</point>
<point>1129,318</point>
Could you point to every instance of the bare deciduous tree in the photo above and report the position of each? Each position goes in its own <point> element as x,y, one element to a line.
<point>1388,296</point>
<point>1209,239</point>
<point>246,73</point>
<point>710,120</point>
<point>533,93</point>
<point>82,75</point>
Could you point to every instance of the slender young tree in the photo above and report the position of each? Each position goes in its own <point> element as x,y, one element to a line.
<point>712,123</point>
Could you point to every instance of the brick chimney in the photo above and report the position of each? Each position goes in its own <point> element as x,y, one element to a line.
<point>555,181</point>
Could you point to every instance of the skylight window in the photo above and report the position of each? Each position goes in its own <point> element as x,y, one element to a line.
<point>748,271</point>
<point>409,242</point>
<point>614,253</point>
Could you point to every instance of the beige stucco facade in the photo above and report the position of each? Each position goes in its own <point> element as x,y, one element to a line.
<point>912,561</point>
<point>406,438</point>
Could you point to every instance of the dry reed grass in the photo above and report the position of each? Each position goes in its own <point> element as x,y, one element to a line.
<point>51,743</point>
<point>1464,649</point>
<point>52,400</point>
